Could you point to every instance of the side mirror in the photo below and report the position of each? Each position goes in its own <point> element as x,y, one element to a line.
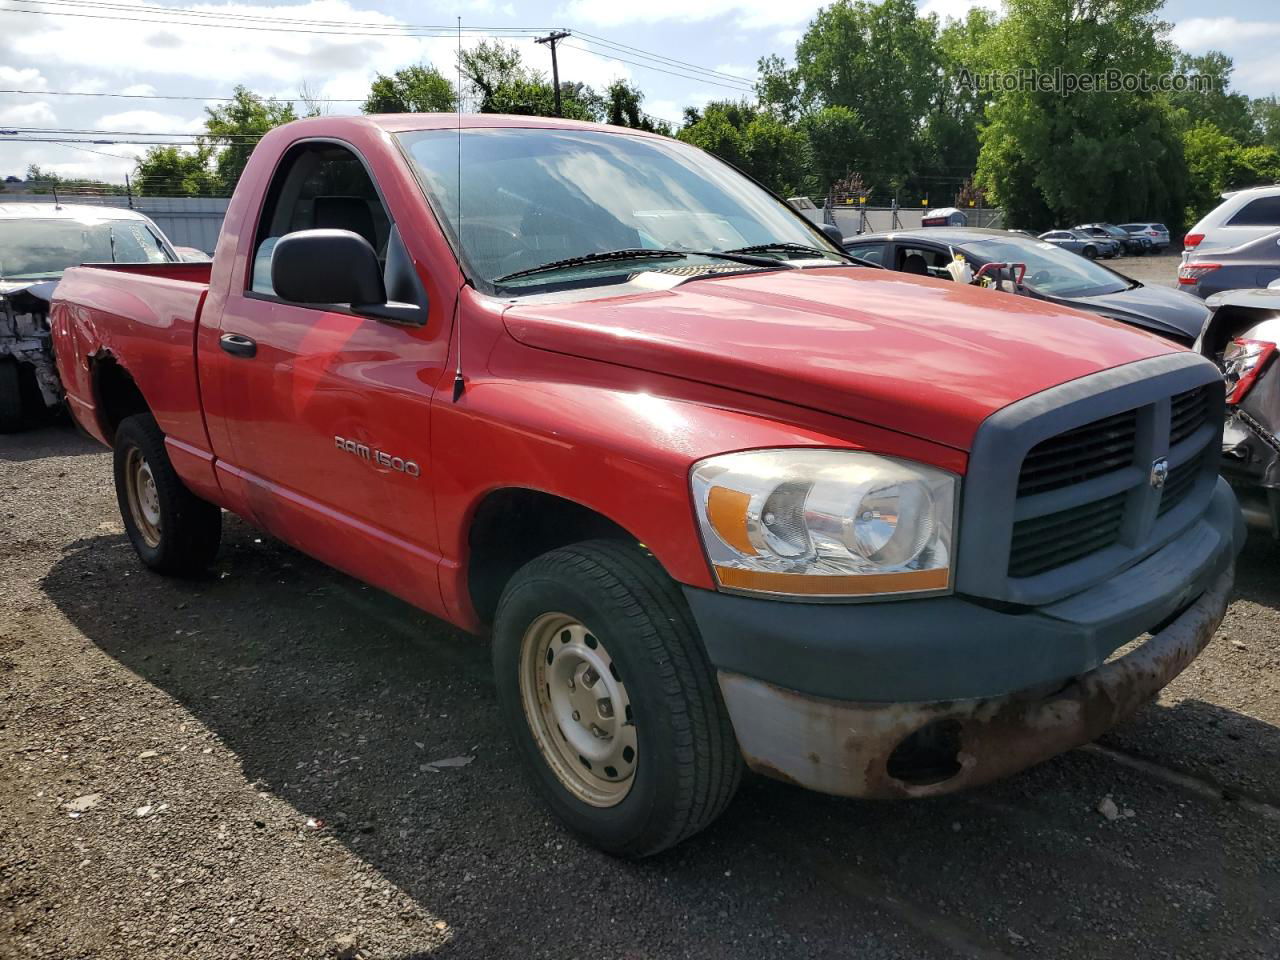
<point>833,234</point>
<point>327,266</point>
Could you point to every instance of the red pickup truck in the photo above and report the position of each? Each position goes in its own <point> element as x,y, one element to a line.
<point>720,496</point>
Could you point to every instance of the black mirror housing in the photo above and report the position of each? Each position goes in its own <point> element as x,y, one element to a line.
<point>327,266</point>
<point>833,234</point>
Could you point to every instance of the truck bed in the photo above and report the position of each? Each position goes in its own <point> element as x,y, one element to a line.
<point>142,317</point>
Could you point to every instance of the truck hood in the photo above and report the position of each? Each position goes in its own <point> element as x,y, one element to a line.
<point>920,356</point>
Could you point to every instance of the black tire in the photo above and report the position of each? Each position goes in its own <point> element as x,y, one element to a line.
<point>687,764</point>
<point>186,537</point>
<point>1090,253</point>
<point>11,419</point>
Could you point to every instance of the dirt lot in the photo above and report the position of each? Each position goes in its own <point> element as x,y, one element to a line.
<point>206,721</point>
<point>1159,270</point>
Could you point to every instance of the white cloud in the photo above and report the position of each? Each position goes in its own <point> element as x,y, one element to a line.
<point>954,9</point>
<point>149,121</point>
<point>38,114</point>
<point>139,90</point>
<point>747,73</point>
<point>747,14</point>
<point>1250,43</point>
<point>25,78</point>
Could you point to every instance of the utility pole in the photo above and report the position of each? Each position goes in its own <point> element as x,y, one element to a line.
<point>550,39</point>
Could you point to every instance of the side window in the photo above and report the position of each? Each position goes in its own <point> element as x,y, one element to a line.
<point>871,252</point>
<point>1263,212</point>
<point>319,185</point>
<point>923,261</point>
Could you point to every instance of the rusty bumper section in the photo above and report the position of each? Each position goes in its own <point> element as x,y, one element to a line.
<point>888,750</point>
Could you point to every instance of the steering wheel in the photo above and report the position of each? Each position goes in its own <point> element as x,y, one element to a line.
<point>1038,278</point>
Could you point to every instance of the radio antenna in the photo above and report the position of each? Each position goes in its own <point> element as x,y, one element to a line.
<point>458,382</point>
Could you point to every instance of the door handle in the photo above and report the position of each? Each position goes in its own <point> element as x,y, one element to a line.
<point>238,345</point>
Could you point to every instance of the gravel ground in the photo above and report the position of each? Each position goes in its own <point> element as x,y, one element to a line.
<point>164,746</point>
<point>1161,270</point>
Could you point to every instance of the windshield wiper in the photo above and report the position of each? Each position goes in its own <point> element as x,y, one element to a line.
<point>789,247</point>
<point>638,253</point>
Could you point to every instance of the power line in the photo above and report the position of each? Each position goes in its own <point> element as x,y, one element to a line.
<point>648,66</point>
<point>166,15</point>
<point>169,96</point>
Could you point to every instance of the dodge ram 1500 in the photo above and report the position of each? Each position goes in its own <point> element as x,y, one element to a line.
<point>720,497</point>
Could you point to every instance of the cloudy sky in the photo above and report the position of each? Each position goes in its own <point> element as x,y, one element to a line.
<point>680,52</point>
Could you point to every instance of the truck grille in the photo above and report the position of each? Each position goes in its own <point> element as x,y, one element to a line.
<point>1043,543</point>
<point>1090,454</point>
<point>1080,454</point>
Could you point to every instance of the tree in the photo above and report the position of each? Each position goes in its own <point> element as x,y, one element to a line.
<point>754,141</point>
<point>417,89</point>
<point>1069,155</point>
<point>879,59</point>
<point>835,144</point>
<point>1227,111</point>
<point>1217,163</point>
<point>621,107</point>
<point>168,172</point>
<point>1266,119</point>
<point>44,182</point>
<point>235,128</point>
<point>501,83</point>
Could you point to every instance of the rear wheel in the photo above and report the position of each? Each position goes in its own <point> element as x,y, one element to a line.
<point>604,683</point>
<point>172,530</point>
<point>10,395</point>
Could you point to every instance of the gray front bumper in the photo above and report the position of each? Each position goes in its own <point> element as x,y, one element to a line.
<point>847,748</point>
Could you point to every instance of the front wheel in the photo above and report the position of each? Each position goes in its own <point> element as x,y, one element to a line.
<point>604,683</point>
<point>172,530</point>
<point>1091,253</point>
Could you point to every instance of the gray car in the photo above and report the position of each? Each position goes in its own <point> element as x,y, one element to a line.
<point>1077,241</point>
<point>1250,264</point>
<point>1052,274</point>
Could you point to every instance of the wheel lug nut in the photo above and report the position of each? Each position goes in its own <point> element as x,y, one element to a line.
<point>598,732</point>
<point>577,715</point>
<point>605,707</point>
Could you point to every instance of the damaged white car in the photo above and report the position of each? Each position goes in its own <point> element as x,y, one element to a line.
<point>38,241</point>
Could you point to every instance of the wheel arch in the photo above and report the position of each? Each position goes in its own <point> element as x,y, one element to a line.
<point>115,394</point>
<point>512,525</point>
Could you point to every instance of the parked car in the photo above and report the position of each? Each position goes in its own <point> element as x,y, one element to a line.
<point>1212,266</point>
<point>1242,339</point>
<point>1243,217</point>
<point>1127,242</point>
<point>38,241</point>
<point>1086,245</point>
<point>597,394</point>
<point>1051,273</point>
<point>1157,233</point>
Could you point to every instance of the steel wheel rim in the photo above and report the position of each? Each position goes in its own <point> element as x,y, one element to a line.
<point>143,497</point>
<point>578,709</point>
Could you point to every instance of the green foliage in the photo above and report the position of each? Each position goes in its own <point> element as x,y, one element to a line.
<point>1266,120</point>
<point>168,171</point>
<point>236,126</point>
<point>45,182</point>
<point>1054,157</point>
<point>417,89</point>
<point>756,142</point>
<point>1229,112</point>
<point>1218,163</point>
<point>621,107</point>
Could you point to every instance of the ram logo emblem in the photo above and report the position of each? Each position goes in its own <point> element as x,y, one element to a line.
<point>1159,473</point>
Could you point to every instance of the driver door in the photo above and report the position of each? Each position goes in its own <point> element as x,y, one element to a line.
<point>327,411</point>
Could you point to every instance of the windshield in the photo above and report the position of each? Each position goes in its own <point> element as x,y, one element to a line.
<point>1050,270</point>
<point>533,197</point>
<point>43,249</point>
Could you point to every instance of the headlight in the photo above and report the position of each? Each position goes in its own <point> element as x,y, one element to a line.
<point>825,523</point>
